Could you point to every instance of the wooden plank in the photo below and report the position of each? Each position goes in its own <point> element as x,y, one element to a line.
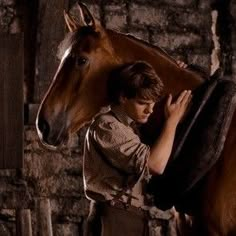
<point>23,222</point>
<point>45,221</point>
<point>30,21</point>
<point>52,31</point>
<point>12,73</point>
<point>33,109</point>
<point>2,105</point>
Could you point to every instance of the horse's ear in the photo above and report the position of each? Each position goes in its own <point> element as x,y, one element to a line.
<point>71,22</point>
<point>85,15</point>
<point>84,18</point>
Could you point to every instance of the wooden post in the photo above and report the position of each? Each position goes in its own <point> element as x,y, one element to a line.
<point>45,222</point>
<point>52,31</point>
<point>23,222</point>
<point>11,101</point>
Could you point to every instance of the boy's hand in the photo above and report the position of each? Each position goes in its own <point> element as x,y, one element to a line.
<point>182,64</point>
<point>175,111</point>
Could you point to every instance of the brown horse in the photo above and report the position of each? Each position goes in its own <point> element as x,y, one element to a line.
<point>78,92</point>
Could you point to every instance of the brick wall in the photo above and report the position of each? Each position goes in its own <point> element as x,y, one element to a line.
<point>182,27</point>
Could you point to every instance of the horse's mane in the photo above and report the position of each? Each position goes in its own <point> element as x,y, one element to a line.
<point>73,38</point>
<point>67,42</point>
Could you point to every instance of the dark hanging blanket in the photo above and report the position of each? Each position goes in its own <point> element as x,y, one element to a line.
<point>199,142</point>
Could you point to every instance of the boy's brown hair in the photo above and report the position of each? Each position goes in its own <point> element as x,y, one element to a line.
<point>134,80</point>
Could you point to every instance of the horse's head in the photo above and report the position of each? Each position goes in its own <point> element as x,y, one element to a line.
<point>88,54</point>
<point>77,91</point>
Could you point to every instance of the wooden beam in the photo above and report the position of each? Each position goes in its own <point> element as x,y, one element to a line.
<point>11,104</point>
<point>51,33</point>
<point>23,222</point>
<point>45,222</point>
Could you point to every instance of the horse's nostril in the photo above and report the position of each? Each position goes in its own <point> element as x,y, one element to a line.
<point>44,127</point>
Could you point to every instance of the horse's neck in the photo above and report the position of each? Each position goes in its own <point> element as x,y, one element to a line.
<point>174,78</point>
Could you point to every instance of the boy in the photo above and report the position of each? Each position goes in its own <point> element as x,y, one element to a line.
<point>116,163</point>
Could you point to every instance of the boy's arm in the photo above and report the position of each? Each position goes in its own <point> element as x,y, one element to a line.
<point>161,150</point>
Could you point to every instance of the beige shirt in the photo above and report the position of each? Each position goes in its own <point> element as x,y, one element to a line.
<point>115,160</point>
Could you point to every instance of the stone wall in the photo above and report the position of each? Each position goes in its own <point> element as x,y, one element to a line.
<point>9,17</point>
<point>183,28</point>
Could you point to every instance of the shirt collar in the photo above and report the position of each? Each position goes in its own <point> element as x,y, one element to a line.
<point>121,115</point>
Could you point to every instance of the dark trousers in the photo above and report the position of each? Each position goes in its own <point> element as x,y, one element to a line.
<point>107,220</point>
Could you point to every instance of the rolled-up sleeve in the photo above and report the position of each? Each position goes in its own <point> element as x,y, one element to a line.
<point>121,147</point>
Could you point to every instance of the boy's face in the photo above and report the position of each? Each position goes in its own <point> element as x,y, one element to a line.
<point>137,109</point>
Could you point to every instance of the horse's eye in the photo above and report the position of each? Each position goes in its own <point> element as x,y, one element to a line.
<point>80,61</point>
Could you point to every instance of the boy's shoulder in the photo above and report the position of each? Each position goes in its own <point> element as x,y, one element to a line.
<point>105,118</point>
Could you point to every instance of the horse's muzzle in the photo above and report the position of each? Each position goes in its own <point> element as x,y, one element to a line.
<point>52,135</point>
